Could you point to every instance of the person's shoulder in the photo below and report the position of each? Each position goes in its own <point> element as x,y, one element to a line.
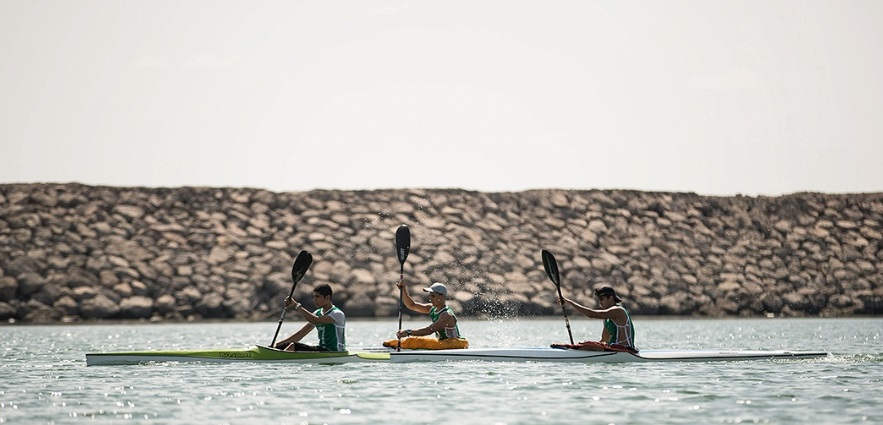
<point>447,310</point>
<point>618,308</point>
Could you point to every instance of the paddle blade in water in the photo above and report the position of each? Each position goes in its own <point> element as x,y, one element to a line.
<point>403,243</point>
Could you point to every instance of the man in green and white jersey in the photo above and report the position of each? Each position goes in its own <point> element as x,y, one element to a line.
<point>618,333</point>
<point>327,319</point>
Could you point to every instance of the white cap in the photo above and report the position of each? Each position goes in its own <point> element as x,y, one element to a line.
<point>438,288</point>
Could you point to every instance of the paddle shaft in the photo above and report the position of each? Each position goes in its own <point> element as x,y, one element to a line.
<point>298,270</point>
<point>551,267</point>
<point>403,246</point>
<point>282,317</point>
<point>564,310</point>
<point>401,304</point>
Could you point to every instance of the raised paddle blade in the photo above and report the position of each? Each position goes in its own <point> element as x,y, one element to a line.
<point>300,267</point>
<point>403,243</point>
<point>551,267</point>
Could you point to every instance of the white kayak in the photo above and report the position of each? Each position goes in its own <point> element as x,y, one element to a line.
<point>582,356</point>
<point>265,354</point>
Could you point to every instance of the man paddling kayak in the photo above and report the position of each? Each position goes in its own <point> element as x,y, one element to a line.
<point>328,319</point>
<point>619,332</point>
<point>444,322</point>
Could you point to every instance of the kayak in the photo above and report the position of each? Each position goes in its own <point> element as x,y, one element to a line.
<point>583,356</point>
<point>266,354</point>
<point>256,354</point>
<point>427,343</point>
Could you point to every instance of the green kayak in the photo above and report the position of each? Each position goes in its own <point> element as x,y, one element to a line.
<point>257,353</point>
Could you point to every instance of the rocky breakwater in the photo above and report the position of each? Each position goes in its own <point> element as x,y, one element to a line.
<point>71,252</point>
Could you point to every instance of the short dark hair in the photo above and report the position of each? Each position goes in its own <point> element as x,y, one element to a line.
<point>607,292</point>
<point>324,290</point>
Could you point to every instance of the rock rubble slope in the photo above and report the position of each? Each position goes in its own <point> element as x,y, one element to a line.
<point>71,252</point>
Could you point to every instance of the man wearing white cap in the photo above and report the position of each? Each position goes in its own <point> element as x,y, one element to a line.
<point>444,322</point>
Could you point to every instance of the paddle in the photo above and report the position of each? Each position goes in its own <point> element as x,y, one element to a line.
<point>403,246</point>
<point>298,270</point>
<point>551,267</point>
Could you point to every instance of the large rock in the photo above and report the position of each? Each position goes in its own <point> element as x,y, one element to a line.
<point>30,283</point>
<point>136,307</point>
<point>6,311</point>
<point>8,288</point>
<point>99,307</point>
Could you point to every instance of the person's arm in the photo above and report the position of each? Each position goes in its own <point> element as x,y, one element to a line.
<point>312,318</point>
<point>308,315</point>
<point>615,313</point>
<point>297,336</point>
<point>445,320</point>
<point>410,303</point>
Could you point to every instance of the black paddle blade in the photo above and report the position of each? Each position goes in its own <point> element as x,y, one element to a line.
<point>403,243</point>
<point>551,267</point>
<point>300,267</point>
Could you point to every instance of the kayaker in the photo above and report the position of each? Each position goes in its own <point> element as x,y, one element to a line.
<point>327,319</point>
<point>619,332</point>
<point>444,322</point>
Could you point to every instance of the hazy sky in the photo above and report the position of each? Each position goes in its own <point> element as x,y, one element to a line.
<point>758,97</point>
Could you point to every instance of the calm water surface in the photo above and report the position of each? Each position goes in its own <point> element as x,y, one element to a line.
<point>44,378</point>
